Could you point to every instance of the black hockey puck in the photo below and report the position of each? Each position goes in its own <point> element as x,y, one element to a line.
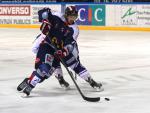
<point>107,99</point>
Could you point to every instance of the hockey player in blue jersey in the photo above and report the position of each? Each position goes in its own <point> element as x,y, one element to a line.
<point>59,34</point>
<point>71,23</point>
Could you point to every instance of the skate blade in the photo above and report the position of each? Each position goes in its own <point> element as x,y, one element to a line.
<point>99,89</point>
<point>65,88</point>
<point>24,95</point>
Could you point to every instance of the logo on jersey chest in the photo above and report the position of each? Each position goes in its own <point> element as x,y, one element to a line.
<point>58,43</point>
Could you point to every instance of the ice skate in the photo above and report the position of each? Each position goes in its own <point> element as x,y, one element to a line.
<point>28,89</point>
<point>22,85</point>
<point>62,82</point>
<point>95,85</point>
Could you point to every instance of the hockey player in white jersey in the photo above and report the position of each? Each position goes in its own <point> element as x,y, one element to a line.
<point>72,60</point>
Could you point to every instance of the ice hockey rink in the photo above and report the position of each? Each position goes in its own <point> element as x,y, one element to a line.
<point>118,59</point>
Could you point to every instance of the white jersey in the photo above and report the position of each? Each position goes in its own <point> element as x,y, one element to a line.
<point>41,37</point>
<point>37,42</point>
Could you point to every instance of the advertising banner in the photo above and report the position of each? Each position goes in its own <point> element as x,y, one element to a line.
<point>36,8</point>
<point>22,13</point>
<point>15,10</point>
<point>91,15</point>
<point>128,15</point>
<point>15,14</point>
<point>107,15</point>
<point>143,15</point>
<point>133,15</point>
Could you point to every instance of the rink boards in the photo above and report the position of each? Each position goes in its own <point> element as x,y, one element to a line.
<point>91,16</point>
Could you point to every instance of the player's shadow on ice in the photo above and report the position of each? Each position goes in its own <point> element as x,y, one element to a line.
<point>57,91</point>
<point>53,92</point>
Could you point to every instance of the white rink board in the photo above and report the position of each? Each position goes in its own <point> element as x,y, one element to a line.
<point>125,15</point>
<point>129,15</point>
<point>23,13</point>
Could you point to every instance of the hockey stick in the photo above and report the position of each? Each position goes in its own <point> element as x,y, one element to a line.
<point>90,99</point>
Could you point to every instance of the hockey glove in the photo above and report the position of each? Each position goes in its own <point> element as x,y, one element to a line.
<point>45,27</point>
<point>62,53</point>
<point>65,51</point>
<point>44,13</point>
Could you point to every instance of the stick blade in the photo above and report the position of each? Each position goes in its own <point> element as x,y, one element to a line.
<point>90,99</point>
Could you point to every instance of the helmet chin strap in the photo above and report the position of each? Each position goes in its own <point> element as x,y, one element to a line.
<point>67,21</point>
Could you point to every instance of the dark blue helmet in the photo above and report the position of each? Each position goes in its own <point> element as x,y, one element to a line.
<point>71,11</point>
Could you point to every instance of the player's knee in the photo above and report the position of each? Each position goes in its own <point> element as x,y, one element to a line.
<point>81,71</point>
<point>35,78</point>
<point>45,70</point>
<point>79,68</point>
<point>58,71</point>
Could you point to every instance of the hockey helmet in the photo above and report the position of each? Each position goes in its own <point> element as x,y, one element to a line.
<point>71,11</point>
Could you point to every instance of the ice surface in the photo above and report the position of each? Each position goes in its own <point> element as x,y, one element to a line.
<point>118,59</point>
